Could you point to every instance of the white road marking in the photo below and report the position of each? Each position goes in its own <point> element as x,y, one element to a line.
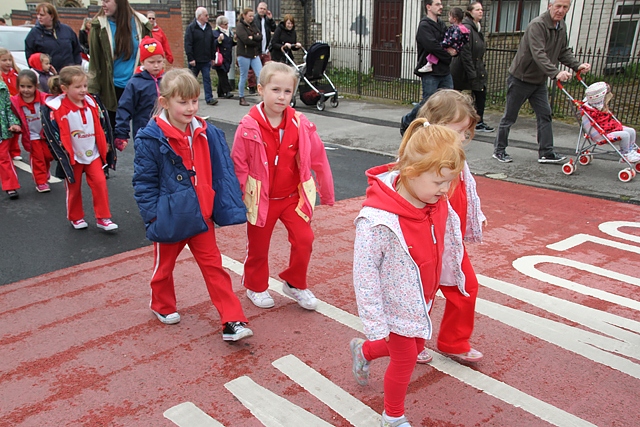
<point>350,408</point>
<point>271,409</point>
<point>476,379</point>
<point>25,167</point>
<point>189,415</point>
<point>611,228</point>
<point>577,239</point>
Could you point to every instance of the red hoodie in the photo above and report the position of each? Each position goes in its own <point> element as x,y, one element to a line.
<point>11,80</point>
<point>423,229</point>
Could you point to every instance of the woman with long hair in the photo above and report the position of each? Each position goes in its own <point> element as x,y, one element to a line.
<point>248,50</point>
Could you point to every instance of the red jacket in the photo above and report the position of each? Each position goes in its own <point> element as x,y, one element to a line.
<point>159,35</point>
<point>16,105</point>
<point>11,79</point>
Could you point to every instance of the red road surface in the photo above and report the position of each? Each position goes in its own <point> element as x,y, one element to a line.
<point>80,347</point>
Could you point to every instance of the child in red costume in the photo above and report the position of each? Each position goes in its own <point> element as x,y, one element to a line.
<point>9,126</point>
<point>274,151</point>
<point>26,106</point>
<point>184,181</point>
<point>9,71</point>
<point>459,284</point>
<point>397,257</point>
<point>78,117</point>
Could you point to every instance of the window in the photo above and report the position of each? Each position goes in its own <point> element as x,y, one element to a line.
<point>624,32</point>
<point>508,16</point>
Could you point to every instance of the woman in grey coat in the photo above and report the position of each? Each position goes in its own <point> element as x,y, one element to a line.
<point>467,69</point>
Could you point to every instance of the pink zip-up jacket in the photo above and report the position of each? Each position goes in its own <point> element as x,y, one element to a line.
<point>252,169</point>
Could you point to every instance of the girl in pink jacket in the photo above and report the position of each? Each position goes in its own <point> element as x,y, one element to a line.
<point>274,151</point>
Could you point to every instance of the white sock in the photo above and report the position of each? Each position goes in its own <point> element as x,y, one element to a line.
<point>391,419</point>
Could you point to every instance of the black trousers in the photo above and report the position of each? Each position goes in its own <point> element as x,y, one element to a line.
<point>224,86</point>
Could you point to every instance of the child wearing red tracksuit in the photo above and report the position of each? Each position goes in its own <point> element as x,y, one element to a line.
<point>26,106</point>
<point>10,76</point>
<point>274,151</point>
<point>459,284</point>
<point>9,126</point>
<point>397,257</point>
<point>78,117</point>
<point>184,182</point>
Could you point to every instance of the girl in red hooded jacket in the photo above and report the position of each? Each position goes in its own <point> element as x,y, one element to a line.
<point>274,151</point>
<point>26,106</point>
<point>9,71</point>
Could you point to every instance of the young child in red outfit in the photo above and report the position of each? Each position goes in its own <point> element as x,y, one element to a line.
<point>78,117</point>
<point>274,151</point>
<point>459,283</point>
<point>26,106</point>
<point>9,126</point>
<point>40,63</point>
<point>9,71</point>
<point>397,257</point>
<point>184,182</point>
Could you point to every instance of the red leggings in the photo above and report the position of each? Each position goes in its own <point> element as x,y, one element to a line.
<point>205,250</point>
<point>256,266</point>
<point>8,174</point>
<point>403,352</point>
<point>459,313</point>
<point>40,161</point>
<point>98,185</point>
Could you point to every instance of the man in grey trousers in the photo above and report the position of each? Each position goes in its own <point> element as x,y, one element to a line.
<point>543,44</point>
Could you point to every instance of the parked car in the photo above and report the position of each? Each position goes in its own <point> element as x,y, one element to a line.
<point>12,38</point>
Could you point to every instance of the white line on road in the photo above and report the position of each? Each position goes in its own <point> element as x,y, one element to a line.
<point>189,415</point>
<point>271,409</point>
<point>350,408</point>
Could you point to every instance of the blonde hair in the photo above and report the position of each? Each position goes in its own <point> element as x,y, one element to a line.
<point>66,76</point>
<point>429,148</point>
<point>177,82</point>
<point>448,106</point>
<point>272,68</point>
<point>3,52</point>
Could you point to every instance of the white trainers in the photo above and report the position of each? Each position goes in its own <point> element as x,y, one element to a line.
<point>79,224</point>
<point>260,299</point>
<point>632,156</point>
<point>169,319</point>
<point>304,297</point>
<point>399,422</point>
<point>106,224</point>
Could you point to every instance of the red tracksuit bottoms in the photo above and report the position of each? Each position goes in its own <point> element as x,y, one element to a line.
<point>459,313</point>
<point>256,266</point>
<point>206,253</point>
<point>8,175</point>
<point>403,353</point>
<point>40,161</point>
<point>98,184</point>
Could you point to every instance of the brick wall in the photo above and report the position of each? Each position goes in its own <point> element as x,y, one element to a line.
<point>168,17</point>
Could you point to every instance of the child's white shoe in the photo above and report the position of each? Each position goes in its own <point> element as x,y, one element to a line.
<point>428,67</point>
<point>632,156</point>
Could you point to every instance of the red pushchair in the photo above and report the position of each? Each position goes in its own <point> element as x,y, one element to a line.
<point>594,141</point>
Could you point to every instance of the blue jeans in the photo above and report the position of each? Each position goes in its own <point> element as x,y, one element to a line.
<point>245,63</point>
<point>518,92</point>
<point>430,84</point>
<point>205,68</point>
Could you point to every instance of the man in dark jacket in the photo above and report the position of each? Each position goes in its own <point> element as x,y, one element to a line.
<point>429,40</point>
<point>264,22</point>
<point>543,44</point>
<point>200,50</point>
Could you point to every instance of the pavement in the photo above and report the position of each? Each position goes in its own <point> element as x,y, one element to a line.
<point>374,126</point>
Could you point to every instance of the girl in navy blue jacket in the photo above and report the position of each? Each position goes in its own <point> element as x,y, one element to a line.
<point>183,182</point>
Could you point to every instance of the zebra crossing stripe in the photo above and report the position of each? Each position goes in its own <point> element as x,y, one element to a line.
<point>189,415</point>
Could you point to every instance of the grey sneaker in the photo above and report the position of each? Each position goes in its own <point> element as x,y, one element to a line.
<point>168,319</point>
<point>402,422</point>
<point>502,157</point>
<point>552,158</point>
<point>360,364</point>
<point>260,299</point>
<point>304,297</point>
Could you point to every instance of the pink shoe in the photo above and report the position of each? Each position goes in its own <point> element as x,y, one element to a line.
<point>424,357</point>
<point>470,356</point>
<point>43,188</point>
<point>106,224</point>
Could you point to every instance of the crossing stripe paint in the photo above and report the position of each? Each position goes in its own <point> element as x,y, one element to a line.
<point>350,408</point>
<point>189,415</point>
<point>271,409</point>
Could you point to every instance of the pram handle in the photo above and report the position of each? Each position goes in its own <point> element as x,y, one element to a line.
<point>578,77</point>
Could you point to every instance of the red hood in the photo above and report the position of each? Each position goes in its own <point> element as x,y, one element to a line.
<point>381,195</point>
<point>257,113</point>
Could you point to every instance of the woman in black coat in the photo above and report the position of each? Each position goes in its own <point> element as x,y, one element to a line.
<point>284,39</point>
<point>224,42</point>
<point>467,69</point>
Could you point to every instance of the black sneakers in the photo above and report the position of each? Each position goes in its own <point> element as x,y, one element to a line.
<point>483,127</point>
<point>502,157</point>
<point>234,331</point>
<point>552,158</point>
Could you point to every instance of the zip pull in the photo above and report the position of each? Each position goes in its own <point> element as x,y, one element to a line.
<point>276,162</point>
<point>433,234</point>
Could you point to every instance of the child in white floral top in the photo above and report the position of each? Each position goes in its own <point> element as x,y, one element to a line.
<point>396,270</point>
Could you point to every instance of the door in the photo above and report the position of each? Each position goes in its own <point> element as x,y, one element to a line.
<point>386,50</point>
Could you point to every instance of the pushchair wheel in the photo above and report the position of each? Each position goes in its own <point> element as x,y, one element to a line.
<point>293,102</point>
<point>568,168</point>
<point>585,159</point>
<point>320,104</point>
<point>637,166</point>
<point>334,101</point>
<point>626,175</point>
